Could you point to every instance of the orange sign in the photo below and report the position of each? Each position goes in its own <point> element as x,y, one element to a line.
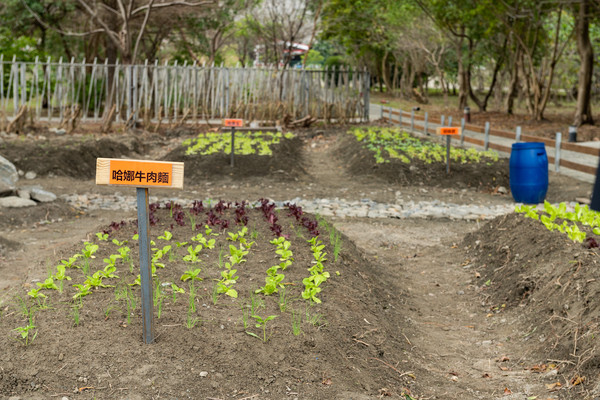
<point>139,173</point>
<point>233,122</point>
<point>448,130</point>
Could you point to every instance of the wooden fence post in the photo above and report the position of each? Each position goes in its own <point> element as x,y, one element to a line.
<point>558,141</point>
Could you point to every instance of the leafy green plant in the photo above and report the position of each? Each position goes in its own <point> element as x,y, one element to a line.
<point>102,236</point>
<point>262,323</point>
<point>176,289</point>
<point>61,276</point>
<point>82,291</point>
<point>27,333</point>
<point>272,281</point>
<point>191,274</point>
<point>296,322</point>
<point>166,236</point>
<point>70,263</point>
<point>76,311</point>
<point>192,256</point>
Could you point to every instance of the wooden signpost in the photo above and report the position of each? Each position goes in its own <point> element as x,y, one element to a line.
<point>142,175</point>
<point>233,123</point>
<point>448,131</point>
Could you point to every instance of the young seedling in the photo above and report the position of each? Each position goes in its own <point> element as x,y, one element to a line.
<point>166,236</point>
<point>296,322</point>
<point>102,236</point>
<point>119,243</point>
<point>176,289</point>
<point>82,291</point>
<point>61,276</point>
<point>191,274</point>
<point>193,252</point>
<point>262,323</point>
<point>70,263</point>
<point>272,281</point>
<point>192,297</point>
<point>124,252</point>
<point>27,334</point>
<point>75,311</point>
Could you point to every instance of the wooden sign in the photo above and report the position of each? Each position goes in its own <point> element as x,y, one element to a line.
<point>448,130</point>
<point>236,123</point>
<point>139,173</point>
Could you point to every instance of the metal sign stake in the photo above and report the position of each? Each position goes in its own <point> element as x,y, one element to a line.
<point>145,269</point>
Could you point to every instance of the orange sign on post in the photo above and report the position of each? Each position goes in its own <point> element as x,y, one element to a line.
<point>236,123</point>
<point>139,173</point>
<point>448,130</point>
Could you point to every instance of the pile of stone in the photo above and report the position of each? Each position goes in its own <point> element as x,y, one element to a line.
<point>14,195</point>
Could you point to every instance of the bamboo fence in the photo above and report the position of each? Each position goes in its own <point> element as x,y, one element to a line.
<point>153,92</point>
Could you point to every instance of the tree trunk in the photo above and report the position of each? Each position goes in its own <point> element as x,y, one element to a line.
<point>583,113</point>
<point>384,73</point>
<point>404,85</point>
<point>514,83</point>
<point>463,89</point>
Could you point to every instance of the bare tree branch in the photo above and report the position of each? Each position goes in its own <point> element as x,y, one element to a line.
<point>173,3</point>
<point>62,32</point>
<point>141,32</point>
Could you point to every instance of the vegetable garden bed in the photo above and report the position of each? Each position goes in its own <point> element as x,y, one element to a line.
<point>399,157</point>
<point>256,154</point>
<point>279,289</point>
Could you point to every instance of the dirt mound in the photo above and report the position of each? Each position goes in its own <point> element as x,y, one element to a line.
<point>347,348</point>
<point>72,159</point>
<point>482,176</point>
<point>549,283</point>
<point>286,161</point>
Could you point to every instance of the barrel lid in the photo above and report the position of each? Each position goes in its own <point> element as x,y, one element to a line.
<point>528,145</point>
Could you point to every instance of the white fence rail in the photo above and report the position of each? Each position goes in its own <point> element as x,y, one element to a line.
<point>153,92</point>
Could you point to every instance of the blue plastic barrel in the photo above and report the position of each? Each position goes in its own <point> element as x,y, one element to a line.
<point>528,172</point>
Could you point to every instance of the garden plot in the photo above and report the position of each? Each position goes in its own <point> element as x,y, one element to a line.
<point>256,154</point>
<point>277,299</point>
<point>398,157</point>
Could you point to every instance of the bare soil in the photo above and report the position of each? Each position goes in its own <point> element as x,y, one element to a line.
<point>431,309</point>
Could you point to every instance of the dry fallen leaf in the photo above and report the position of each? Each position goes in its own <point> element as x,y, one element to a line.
<point>477,275</point>
<point>507,391</point>
<point>577,380</point>
<point>327,381</point>
<point>552,387</point>
<point>486,375</point>
<point>504,368</point>
<point>503,359</point>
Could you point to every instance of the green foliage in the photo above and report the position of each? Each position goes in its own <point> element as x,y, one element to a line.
<point>581,214</point>
<point>246,143</point>
<point>401,145</point>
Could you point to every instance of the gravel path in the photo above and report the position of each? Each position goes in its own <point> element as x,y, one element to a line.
<point>365,208</point>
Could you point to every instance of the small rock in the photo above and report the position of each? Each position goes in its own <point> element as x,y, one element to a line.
<point>502,190</point>
<point>16,202</point>
<point>203,374</point>
<point>24,194</point>
<point>42,196</point>
<point>61,356</point>
<point>8,175</point>
<point>30,175</point>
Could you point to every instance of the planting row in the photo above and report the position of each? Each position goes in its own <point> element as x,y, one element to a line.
<point>245,143</point>
<point>201,248</point>
<point>567,222</point>
<point>393,143</point>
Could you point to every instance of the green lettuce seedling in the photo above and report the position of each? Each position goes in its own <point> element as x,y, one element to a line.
<point>82,291</point>
<point>191,274</point>
<point>102,236</point>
